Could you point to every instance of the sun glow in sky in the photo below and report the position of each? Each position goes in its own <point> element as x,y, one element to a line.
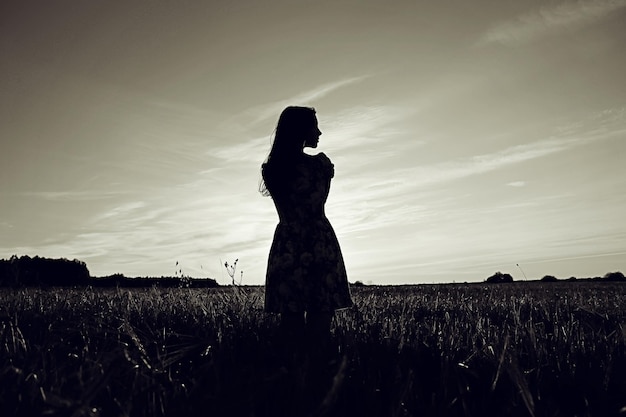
<point>467,137</point>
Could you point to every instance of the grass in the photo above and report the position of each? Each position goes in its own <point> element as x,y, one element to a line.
<point>522,349</point>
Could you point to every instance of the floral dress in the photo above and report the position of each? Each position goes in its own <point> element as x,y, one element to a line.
<point>305,270</point>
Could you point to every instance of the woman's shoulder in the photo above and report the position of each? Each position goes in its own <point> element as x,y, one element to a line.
<point>322,160</point>
<point>304,162</point>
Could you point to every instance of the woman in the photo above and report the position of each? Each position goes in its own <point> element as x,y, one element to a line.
<point>306,278</point>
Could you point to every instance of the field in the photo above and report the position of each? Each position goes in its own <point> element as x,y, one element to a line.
<point>521,349</point>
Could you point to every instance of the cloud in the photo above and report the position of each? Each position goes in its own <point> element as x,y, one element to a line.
<point>479,164</point>
<point>272,110</point>
<point>245,142</point>
<point>356,127</point>
<point>123,209</point>
<point>251,150</point>
<point>390,188</point>
<point>600,126</point>
<point>389,195</point>
<point>569,258</point>
<point>72,195</point>
<point>550,20</point>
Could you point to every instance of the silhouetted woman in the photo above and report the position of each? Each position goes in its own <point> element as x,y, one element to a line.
<point>306,278</point>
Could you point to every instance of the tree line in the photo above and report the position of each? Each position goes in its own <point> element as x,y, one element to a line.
<point>25,271</point>
<point>500,277</point>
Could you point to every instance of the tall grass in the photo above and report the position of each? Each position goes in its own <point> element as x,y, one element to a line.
<point>552,349</point>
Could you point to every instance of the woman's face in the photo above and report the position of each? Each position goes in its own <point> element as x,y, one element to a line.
<point>312,136</point>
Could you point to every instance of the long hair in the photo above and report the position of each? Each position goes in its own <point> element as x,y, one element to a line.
<point>293,122</point>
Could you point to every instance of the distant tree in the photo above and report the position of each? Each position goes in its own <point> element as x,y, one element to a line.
<point>572,279</point>
<point>549,278</point>
<point>614,277</point>
<point>109,281</point>
<point>27,271</point>
<point>498,278</point>
<point>119,280</point>
<point>9,272</point>
<point>358,284</point>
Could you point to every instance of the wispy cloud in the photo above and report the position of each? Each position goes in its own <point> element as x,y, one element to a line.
<point>550,20</point>
<point>595,255</point>
<point>6,225</point>
<point>360,127</point>
<point>347,129</point>
<point>600,126</point>
<point>271,110</point>
<point>123,209</point>
<point>251,150</point>
<point>245,141</point>
<point>72,195</point>
<point>406,195</point>
<point>428,175</point>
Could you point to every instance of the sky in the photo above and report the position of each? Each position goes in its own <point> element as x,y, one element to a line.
<point>468,137</point>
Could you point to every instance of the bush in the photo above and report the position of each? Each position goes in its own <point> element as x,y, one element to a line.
<point>614,277</point>
<point>549,278</point>
<point>499,277</point>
